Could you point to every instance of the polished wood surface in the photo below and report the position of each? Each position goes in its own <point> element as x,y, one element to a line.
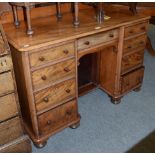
<point>47,77</point>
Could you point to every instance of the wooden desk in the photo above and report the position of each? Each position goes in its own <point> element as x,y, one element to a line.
<point>46,65</point>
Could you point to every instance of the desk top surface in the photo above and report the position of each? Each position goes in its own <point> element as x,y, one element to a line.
<point>48,30</point>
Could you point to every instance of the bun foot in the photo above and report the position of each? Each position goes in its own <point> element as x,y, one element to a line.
<point>137,89</point>
<point>74,126</point>
<point>40,145</point>
<point>116,100</point>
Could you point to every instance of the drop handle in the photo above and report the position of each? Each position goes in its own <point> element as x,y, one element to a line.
<point>49,122</point>
<point>65,51</point>
<point>111,35</point>
<point>41,58</point>
<point>66,69</point>
<point>44,77</point>
<point>87,43</point>
<point>68,90</point>
<point>46,99</point>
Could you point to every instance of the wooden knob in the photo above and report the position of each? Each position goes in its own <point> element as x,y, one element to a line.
<point>68,90</point>
<point>46,99</point>
<point>68,112</point>
<point>111,35</point>
<point>44,77</point>
<point>131,31</point>
<point>41,58</point>
<point>87,43</point>
<point>141,42</point>
<point>129,46</point>
<point>143,28</point>
<point>66,69</point>
<point>65,51</point>
<point>49,122</point>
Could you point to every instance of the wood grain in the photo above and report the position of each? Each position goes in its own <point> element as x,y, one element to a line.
<point>8,107</point>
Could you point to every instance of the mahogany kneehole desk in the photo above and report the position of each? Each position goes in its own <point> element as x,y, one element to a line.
<point>46,66</point>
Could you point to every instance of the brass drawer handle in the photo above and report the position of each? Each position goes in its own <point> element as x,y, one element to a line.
<point>49,122</point>
<point>41,58</point>
<point>65,51</point>
<point>129,46</point>
<point>143,28</point>
<point>46,99</point>
<point>111,35</point>
<point>66,69</point>
<point>44,77</point>
<point>68,90</point>
<point>87,43</point>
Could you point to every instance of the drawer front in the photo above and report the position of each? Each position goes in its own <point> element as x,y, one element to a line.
<point>134,44</point>
<point>95,39</point>
<point>131,80</point>
<point>58,117</point>
<point>135,29</point>
<point>52,54</point>
<point>132,60</point>
<point>5,63</point>
<point>6,83</point>
<point>8,107</point>
<point>48,75</point>
<point>55,95</point>
<point>20,145</point>
<point>10,130</point>
<point>2,46</point>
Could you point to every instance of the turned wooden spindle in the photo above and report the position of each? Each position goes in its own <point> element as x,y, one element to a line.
<point>15,15</point>
<point>76,14</point>
<point>100,13</point>
<point>58,7</point>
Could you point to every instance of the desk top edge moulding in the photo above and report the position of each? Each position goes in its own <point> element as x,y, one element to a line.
<point>46,64</point>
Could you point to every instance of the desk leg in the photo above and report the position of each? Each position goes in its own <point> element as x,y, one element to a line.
<point>76,14</point>
<point>115,100</point>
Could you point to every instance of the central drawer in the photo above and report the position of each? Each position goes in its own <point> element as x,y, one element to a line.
<point>55,95</point>
<point>52,54</point>
<point>47,76</point>
<point>6,83</point>
<point>58,117</point>
<point>8,107</point>
<point>96,39</point>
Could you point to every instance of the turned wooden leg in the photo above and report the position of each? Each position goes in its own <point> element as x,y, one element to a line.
<point>40,145</point>
<point>149,47</point>
<point>100,13</point>
<point>58,7</point>
<point>28,18</point>
<point>115,100</point>
<point>15,15</point>
<point>76,14</point>
<point>76,125</point>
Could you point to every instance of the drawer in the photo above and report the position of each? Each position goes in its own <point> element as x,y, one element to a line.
<point>132,60</point>
<point>6,83</point>
<point>8,107</point>
<point>5,63</point>
<point>131,80</point>
<point>20,145</point>
<point>58,118</point>
<point>3,49</point>
<point>135,29</point>
<point>10,130</point>
<point>47,76</point>
<point>95,39</point>
<point>55,95</point>
<point>134,44</point>
<point>52,54</point>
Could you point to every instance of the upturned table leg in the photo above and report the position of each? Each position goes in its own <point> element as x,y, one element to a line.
<point>76,14</point>
<point>15,15</point>
<point>28,18</point>
<point>58,7</point>
<point>100,13</point>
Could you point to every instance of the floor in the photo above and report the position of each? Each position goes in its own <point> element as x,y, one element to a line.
<point>127,127</point>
